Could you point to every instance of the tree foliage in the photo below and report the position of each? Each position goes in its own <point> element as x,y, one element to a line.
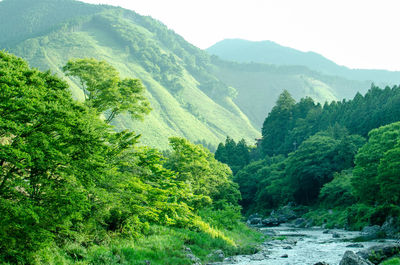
<point>376,174</point>
<point>66,177</point>
<point>105,91</point>
<point>236,156</point>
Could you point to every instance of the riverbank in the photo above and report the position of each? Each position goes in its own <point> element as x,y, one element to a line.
<point>162,246</point>
<point>306,246</point>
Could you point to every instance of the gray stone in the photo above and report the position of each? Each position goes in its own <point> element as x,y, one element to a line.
<point>284,256</point>
<point>254,221</point>
<point>271,221</point>
<point>335,235</point>
<point>321,263</point>
<point>379,253</point>
<point>355,245</point>
<point>326,232</point>
<point>391,227</point>
<point>371,232</point>
<point>349,258</point>
<point>287,247</point>
<point>195,260</point>
<point>217,255</point>
<point>258,256</point>
<point>300,222</point>
<point>269,232</point>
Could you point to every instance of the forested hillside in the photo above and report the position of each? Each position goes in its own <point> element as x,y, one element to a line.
<point>186,98</point>
<point>340,156</point>
<point>192,94</point>
<point>259,85</point>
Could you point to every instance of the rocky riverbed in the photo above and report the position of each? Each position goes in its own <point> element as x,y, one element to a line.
<point>304,246</point>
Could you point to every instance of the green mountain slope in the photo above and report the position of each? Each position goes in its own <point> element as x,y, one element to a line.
<point>272,53</point>
<point>187,99</point>
<point>259,85</point>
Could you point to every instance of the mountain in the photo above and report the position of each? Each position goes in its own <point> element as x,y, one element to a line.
<point>187,99</point>
<point>259,85</point>
<point>272,53</point>
<point>193,94</point>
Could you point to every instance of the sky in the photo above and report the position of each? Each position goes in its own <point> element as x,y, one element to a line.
<point>355,33</point>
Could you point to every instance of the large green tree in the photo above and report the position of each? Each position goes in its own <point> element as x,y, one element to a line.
<point>376,174</point>
<point>106,91</point>
<point>51,156</point>
<point>277,124</point>
<point>206,176</point>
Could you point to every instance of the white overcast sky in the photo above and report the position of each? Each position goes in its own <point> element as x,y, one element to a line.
<point>354,33</point>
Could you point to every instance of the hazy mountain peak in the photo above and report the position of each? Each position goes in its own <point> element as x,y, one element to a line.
<point>270,52</point>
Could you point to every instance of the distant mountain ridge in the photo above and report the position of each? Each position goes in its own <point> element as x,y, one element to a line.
<point>187,99</point>
<point>269,52</point>
<point>192,93</point>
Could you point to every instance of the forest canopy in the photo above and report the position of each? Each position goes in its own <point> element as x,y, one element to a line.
<point>68,177</point>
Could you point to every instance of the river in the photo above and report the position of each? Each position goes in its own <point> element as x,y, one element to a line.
<point>303,246</point>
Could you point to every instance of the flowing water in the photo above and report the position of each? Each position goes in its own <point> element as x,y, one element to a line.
<point>303,246</point>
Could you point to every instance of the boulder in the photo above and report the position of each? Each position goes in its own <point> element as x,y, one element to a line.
<point>258,257</point>
<point>349,258</point>
<point>391,227</point>
<point>379,253</point>
<point>217,255</point>
<point>271,221</point>
<point>335,235</point>
<point>188,252</point>
<point>355,245</point>
<point>284,214</point>
<point>254,221</point>
<point>321,263</point>
<point>371,232</point>
<point>300,222</point>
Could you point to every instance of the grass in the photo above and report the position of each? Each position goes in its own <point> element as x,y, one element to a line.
<point>163,246</point>
<point>392,261</point>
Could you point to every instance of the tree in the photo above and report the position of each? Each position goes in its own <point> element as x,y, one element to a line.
<point>105,91</point>
<point>236,156</point>
<point>207,177</point>
<point>317,159</point>
<point>376,174</point>
<point>52,154</point>
<point>277,124</point>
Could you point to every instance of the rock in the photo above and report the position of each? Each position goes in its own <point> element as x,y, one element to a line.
<point>287,247</point>
<point>300,222</point>
<point>195,260</point>
<point>379,253</point>
<point>335,235</point>
<point>254,221</point>
<point>269,232</point>
<point>349,258</point>
<point>284,256</point>
<point>147,262</point>
<point>355,245</point>
<point>321,263</point>
<point>258,256</point>
<point>284,214</point>
<point>217,255</point>
<point>233,259</point>
<point>309,224</point>
<point>271,221</point>
<point>371,232</point>
<point>391,227</point>
<point>326,232</point>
